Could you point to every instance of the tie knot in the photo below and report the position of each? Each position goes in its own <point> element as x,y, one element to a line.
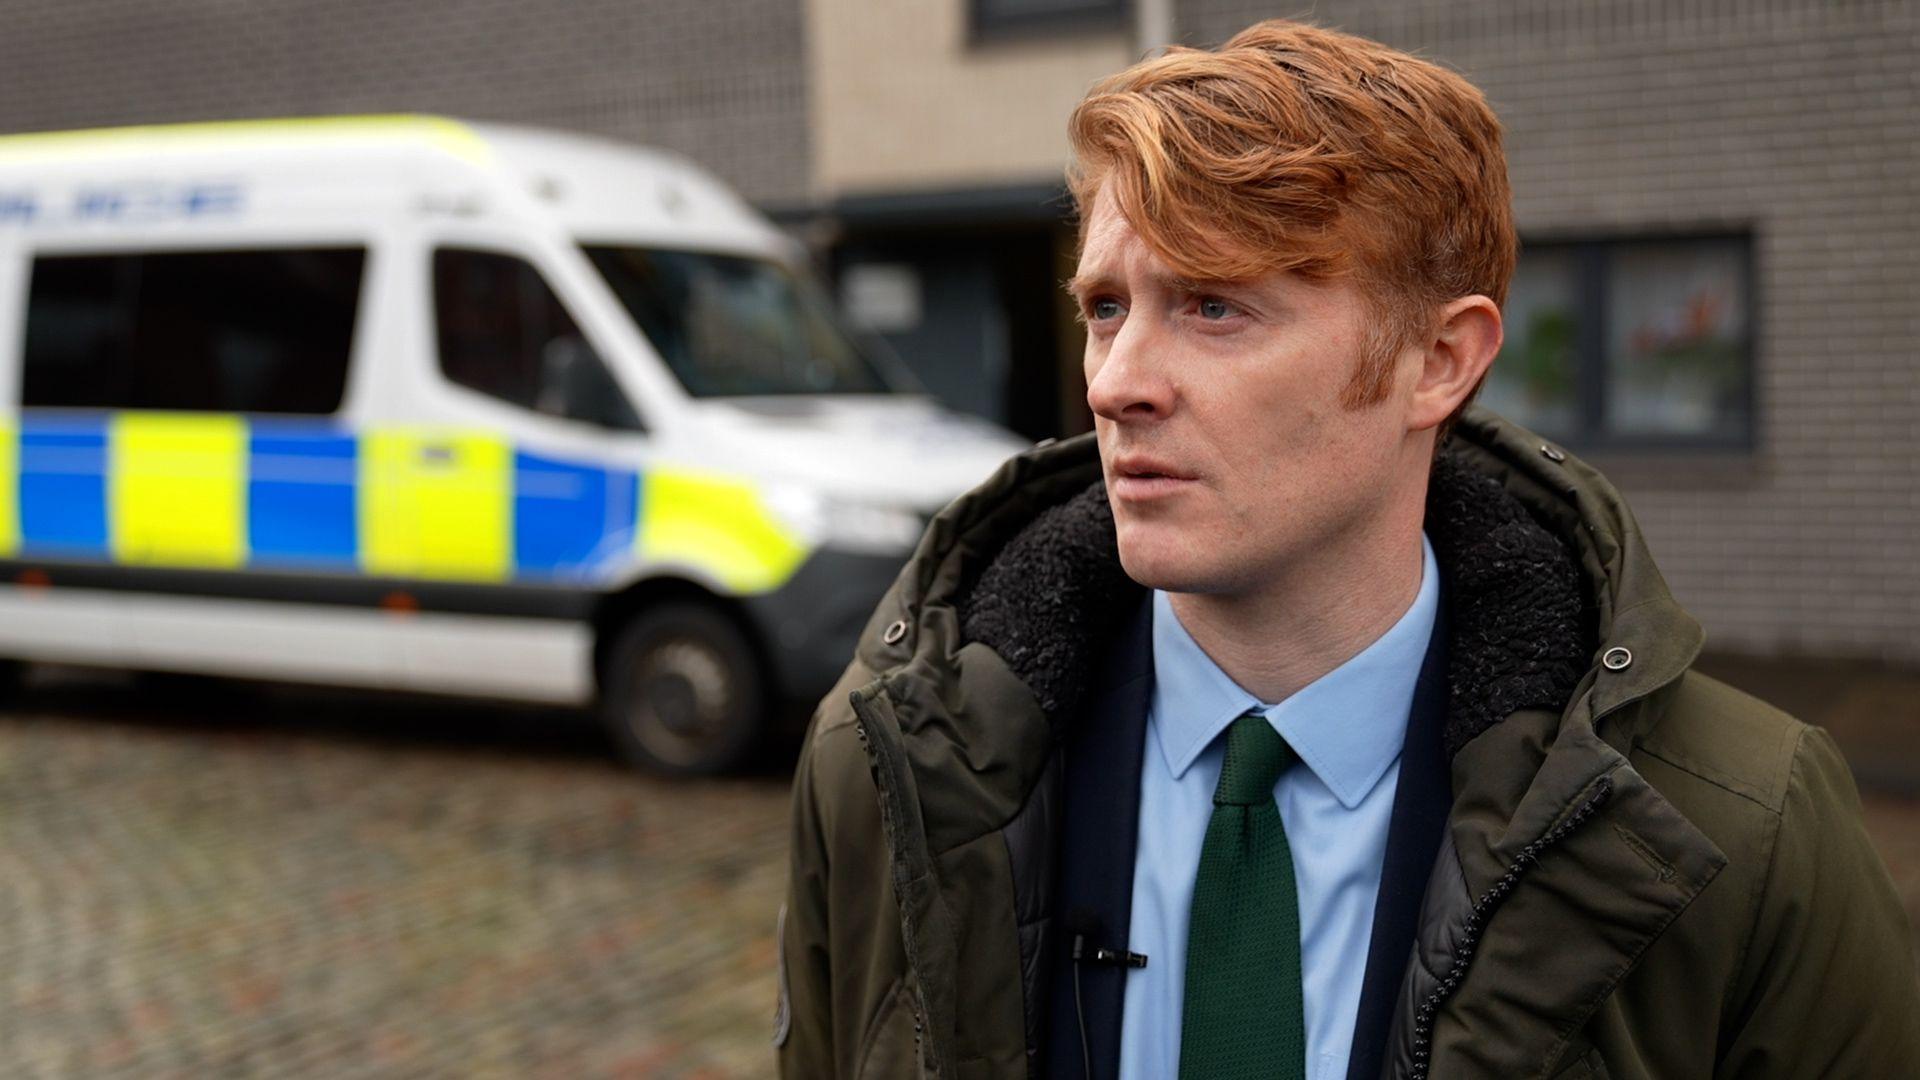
<point>1256,756</point>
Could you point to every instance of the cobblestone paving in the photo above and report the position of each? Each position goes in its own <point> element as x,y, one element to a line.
<point>269,883</point>
<point>354,893</point>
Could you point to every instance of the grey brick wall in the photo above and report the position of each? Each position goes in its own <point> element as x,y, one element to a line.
<point>723,83</point>
<point>1800,119</point>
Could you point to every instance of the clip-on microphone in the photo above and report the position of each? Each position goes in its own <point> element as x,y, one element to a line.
<point>1082,924</point>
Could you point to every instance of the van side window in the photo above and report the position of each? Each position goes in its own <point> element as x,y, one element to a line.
<point>210,331</point>
<point>502,331</point>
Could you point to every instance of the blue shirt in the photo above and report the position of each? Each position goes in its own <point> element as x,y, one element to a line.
<point>1347,727</point>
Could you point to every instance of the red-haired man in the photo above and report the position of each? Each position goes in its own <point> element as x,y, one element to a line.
<point>1300,723</point>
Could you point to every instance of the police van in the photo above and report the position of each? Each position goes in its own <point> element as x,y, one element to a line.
<point>413,403</point>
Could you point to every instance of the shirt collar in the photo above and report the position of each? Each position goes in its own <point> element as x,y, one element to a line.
<point>1347,726</point>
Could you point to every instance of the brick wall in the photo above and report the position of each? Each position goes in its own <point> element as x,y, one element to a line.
<point>1800,119</point>
<point>723,83</point>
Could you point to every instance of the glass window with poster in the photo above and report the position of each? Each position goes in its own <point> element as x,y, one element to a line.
<point>1631,344</point>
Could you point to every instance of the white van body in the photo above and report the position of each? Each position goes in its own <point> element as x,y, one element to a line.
<point>788,511</point>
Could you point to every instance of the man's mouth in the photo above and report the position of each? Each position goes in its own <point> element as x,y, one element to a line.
<point>1148,466</point>
<point>1140,477</point>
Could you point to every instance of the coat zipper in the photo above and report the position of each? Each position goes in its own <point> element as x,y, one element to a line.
<point>915,1005</point>
<point>1483,909</point>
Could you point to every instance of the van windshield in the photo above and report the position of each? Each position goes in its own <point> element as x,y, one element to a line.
<point>730,326</point>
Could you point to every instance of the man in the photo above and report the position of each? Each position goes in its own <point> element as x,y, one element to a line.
<point>1297,724</point>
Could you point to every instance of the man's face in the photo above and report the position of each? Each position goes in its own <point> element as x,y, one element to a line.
<point>1229,457</point>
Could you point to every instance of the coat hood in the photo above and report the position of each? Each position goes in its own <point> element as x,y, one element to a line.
<point>1544,566</point>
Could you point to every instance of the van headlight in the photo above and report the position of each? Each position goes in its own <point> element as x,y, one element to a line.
<point>845,524</point>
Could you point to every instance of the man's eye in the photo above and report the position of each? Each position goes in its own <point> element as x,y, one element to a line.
<point>1213,308</point>
<point>1104,309</point>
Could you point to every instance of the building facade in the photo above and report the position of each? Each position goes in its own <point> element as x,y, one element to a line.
<point>1718,203</point>
<point>722,83</point>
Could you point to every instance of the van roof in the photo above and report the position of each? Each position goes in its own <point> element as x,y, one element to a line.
<point>598,188</point>
<point>442,133</point>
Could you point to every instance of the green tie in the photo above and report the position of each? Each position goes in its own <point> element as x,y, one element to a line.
<point>1243,1013</point>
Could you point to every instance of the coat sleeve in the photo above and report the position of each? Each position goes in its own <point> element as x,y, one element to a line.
<point>1829,971</point>
<point>841,957</point>
<point>803,1028</point>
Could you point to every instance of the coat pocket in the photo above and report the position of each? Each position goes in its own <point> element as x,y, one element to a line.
<point>890,1050</point>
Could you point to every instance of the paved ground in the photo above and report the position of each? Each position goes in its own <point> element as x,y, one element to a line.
<point>362,887</point>
<point>348,890</point>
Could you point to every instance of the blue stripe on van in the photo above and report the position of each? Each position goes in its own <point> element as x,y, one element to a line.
<point>300,496</point>
<point>63,486</point>
<point>569,520</point>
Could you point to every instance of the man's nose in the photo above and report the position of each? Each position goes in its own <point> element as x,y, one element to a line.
<point>1130,383</point>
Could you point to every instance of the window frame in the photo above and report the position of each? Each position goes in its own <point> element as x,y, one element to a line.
<point>1591,257</point>
<point>984,27</point>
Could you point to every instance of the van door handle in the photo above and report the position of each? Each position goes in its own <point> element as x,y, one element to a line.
<point>436,454</point>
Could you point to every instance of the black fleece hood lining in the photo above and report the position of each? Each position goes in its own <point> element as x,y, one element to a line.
<point>1520,632</point>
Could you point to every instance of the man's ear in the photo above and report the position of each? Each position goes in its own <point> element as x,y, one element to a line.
<point>1454,360</point>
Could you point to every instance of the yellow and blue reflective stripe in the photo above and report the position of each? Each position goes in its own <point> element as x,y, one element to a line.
<point>569,519</point>
<point>300,496</point>
<point>62,487</point>
<point>720,525</point>
<point>177,489</point>
<point>436,504</point>
<point>223,491</point>
<point>9,489</point>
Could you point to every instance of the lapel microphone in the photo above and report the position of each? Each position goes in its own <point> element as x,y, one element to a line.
<point>1086,928</point>
<point>1083,924</point>
<point>1119,959</point>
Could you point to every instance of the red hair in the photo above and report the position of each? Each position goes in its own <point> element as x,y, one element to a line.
<point>1293,148</point>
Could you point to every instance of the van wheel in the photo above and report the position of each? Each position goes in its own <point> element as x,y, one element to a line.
<point>683,692</point>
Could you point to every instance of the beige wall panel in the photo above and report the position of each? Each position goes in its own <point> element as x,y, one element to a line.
<point>900,99</point>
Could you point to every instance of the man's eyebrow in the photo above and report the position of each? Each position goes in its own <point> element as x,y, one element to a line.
<point>1082,284</point>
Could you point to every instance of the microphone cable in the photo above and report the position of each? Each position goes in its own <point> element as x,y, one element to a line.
<point>1080,1010</point>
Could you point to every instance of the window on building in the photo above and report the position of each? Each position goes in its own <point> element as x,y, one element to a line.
<point>1015,18</point>
<point>502,331</point>
<point>212,331</point>
<point>1630,343</point>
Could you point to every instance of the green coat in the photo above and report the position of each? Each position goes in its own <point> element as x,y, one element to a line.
<point>1645,873</point>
